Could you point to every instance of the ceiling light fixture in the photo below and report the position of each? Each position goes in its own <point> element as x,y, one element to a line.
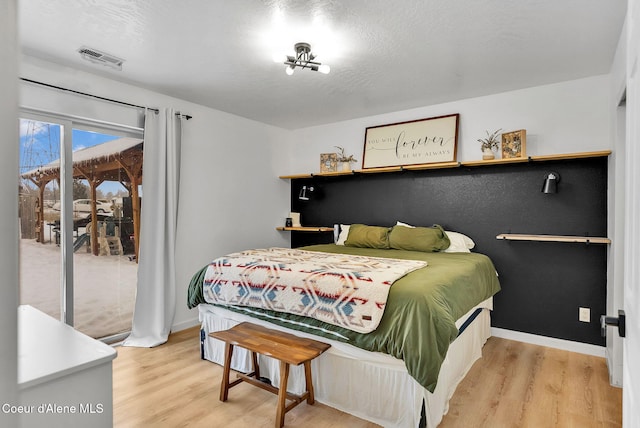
<point>304,59</point>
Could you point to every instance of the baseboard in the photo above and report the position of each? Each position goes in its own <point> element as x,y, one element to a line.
<point>185,325</point>
<point>551,342</point>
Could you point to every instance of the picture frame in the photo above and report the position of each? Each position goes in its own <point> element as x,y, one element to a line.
<point>514,144</point>
<point>417,142</point>
<point>328,162</point>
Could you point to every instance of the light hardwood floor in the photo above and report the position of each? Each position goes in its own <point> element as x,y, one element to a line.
<point>513,385</point>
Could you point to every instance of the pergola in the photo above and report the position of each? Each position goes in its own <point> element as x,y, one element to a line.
<point>117,160</point>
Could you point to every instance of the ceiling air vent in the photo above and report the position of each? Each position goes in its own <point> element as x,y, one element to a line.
<point>103,58</point>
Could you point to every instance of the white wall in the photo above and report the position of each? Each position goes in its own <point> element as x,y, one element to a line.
<point>230,194</point>
<point>564,117</point>
<point>8,208</point>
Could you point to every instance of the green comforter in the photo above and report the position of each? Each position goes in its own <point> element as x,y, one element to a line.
<point>419,320</point>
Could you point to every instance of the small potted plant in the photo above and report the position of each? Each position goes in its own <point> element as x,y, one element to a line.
<point>344,159</point>
<point>489,144</point>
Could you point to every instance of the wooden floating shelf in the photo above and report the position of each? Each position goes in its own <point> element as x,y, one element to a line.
<point>496,161</point>
<point>438,165</point>
<point>331,174</point>
<point>565,156</point>
<point>317,174</point>
<point>296,176</point>
<point>595,154</point>
<point>554,238</point>
<point>380,169</point>
<point>306,229</point>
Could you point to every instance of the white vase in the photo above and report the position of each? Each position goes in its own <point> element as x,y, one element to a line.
<point>487,154</point>
<point>346,166</point>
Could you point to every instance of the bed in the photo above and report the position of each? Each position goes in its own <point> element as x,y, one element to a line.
<point>402,374</point>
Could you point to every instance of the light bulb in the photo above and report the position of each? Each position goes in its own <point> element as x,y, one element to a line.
<point>324,69</point>
<point>289,70</point>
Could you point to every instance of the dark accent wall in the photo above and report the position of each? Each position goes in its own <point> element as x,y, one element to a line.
<point>543,283</point>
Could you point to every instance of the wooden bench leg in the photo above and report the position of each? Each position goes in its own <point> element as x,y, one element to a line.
<point>256,367</point>
<point>282,394</point>
<point>309,382</point>
<point>224,388</point>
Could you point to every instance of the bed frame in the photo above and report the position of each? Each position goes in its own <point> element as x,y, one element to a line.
<point>360,382</point>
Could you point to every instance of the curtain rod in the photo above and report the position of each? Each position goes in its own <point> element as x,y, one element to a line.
<point>60,88</point>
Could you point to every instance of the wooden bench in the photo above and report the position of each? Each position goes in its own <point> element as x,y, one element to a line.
<point>286,348</point>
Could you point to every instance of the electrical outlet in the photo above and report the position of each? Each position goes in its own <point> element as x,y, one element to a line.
<point>584,314</point>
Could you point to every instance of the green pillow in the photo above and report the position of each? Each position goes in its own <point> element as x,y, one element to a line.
<point>425,239</point>
<point>361,235</point>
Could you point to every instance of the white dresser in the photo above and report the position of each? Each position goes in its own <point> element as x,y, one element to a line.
<point>64,377</point>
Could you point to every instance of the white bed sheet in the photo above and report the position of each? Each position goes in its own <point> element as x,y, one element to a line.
<point>370,385</point>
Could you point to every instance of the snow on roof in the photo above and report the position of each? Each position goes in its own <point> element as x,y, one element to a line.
<point>86,155</point>
<point>105,150</point>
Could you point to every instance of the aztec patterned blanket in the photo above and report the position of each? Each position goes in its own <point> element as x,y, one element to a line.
<point>349,291</point>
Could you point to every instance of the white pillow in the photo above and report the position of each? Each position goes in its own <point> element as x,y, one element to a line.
<point>344,233</point>
<point>399,223</point>
<point>459,243</point>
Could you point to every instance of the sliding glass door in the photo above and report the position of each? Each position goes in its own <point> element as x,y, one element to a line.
<point>104,257</point>
<point>78,243</point>
<point>39,216</point>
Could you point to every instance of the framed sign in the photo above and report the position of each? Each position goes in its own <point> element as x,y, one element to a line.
<point>514,144</point>
<point>328,162</point>
<point>417,142</point>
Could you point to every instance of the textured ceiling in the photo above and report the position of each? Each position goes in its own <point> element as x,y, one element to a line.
<point>384,55</point>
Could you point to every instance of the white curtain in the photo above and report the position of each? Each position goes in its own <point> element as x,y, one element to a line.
<point>156,295</point>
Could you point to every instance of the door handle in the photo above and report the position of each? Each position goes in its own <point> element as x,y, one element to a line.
<point>620,321</point>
